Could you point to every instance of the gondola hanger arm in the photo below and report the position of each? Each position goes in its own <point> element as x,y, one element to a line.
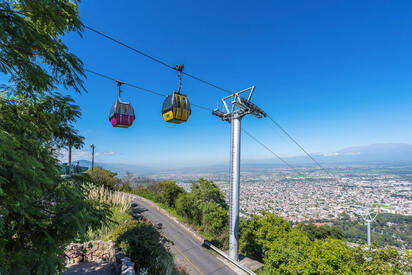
<point>179,68</point>
<point>119,83</point>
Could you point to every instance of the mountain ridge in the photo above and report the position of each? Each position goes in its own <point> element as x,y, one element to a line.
<point>378,153</point>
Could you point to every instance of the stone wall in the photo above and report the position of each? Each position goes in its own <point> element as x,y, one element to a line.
<point>99,252</point>
<point>93,251</point>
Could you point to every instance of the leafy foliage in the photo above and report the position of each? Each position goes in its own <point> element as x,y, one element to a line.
<point>40,211</point>
<point>387,229</point>
<point>304,249</point>
<point>321,232</point>
<point>287,250</point>
<point>203,207</point>
<point>167,192</point>
<point>104,178</point>
<point>31,46</point>
<point>145,247</point>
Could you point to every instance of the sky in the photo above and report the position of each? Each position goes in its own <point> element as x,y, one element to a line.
<point>334,74</point>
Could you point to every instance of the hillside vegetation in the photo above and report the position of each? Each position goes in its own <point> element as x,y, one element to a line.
<point>139,240</point>
<point>40,212</point>
<point>271,239</point>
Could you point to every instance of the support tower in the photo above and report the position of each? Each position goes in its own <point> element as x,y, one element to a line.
<point>235,108</point>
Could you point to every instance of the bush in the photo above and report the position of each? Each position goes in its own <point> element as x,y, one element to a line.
<point>104,178</point>
<point>145,247</point>
<point>167,193</point>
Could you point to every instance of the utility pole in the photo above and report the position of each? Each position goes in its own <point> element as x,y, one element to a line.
<point>368,219</point>
<point>92,146</point>
<point>233,112</point>
<point>70,155</point>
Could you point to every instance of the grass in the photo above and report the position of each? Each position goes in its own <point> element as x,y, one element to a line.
<point>111,198</point>
<point>118,217</point>
<point>120,208</point>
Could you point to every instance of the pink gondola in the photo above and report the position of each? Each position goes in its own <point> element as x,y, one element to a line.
<point>122,113</point>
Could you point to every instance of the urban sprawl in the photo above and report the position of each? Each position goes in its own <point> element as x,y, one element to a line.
<point>314,195</point>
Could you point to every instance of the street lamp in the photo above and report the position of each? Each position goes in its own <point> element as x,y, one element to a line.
<point>92,146</point>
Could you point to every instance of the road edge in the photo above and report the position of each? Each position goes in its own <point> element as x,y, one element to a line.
<point>182,225</point>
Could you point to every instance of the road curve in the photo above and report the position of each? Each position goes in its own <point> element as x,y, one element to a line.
<point>198,260</point>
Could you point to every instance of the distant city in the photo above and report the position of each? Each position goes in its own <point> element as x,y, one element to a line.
<point>375,177</point>
<point>315,196</point>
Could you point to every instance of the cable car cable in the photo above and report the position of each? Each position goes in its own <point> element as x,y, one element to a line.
<point>129,47</point>
<point>155,59</point>
<point>300,146</point>
<point>125,83</point>
<point>143,89</point>
<point>203,81</point>
<point>276,155</point>
<point>200,107</point>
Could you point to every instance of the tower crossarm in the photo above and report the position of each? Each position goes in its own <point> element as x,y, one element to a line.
<point>236,105</point>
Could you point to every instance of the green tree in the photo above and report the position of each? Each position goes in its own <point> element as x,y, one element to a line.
<point>188,207</point>
<point>167,193</point>
<point>331,256</point>
<point>215,218</point>
<point>145,247</point>
<point>321,232</point>
<point>259,232</point>
<point>386,261</point>
<point>40,211</point>
<point>204,191</point>
<point>103,177</point>
<point>193,205</point>
<point>32,53</point>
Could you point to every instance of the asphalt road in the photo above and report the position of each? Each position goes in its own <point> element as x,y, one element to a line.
<point>196,258</point>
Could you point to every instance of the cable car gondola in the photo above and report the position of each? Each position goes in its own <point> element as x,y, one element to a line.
<point>176,107</point>
<point>121,113</point>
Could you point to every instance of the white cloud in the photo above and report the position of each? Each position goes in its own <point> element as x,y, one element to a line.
<point>333,154</point>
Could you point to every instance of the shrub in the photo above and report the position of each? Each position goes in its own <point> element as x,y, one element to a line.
<point>144,246</point>
<point>105,178</point>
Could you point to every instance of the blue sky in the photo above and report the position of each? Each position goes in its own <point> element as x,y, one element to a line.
<point>333,73</point>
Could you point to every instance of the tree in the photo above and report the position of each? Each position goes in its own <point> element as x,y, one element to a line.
<point>205,191</point>
<point>321,232</point>
<point>194,205</point>
<point>40,211</point>
<point>187,206</point>
<point>267,233</point>
<point>32,53</point>
<point>330,256</point>
<point>215,218</point>
<point>143,244</point>
<point>386,261</point>
<point>103,177</point>
<point>127,182</point>
<point>167,193</point>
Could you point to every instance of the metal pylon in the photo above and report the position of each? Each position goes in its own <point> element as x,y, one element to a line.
<point>368,219</point>
<point>235,108</point>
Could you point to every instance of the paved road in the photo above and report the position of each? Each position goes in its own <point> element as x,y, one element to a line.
<point>199,256</point>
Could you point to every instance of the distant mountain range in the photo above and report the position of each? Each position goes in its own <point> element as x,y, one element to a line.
<point>382,153</point>
<point>368,154</point>
<point>119,168</point>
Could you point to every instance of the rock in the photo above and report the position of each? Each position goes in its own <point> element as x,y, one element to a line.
<point>93,251</point>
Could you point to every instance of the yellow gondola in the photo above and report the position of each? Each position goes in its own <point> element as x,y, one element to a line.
<point>176,107</point>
